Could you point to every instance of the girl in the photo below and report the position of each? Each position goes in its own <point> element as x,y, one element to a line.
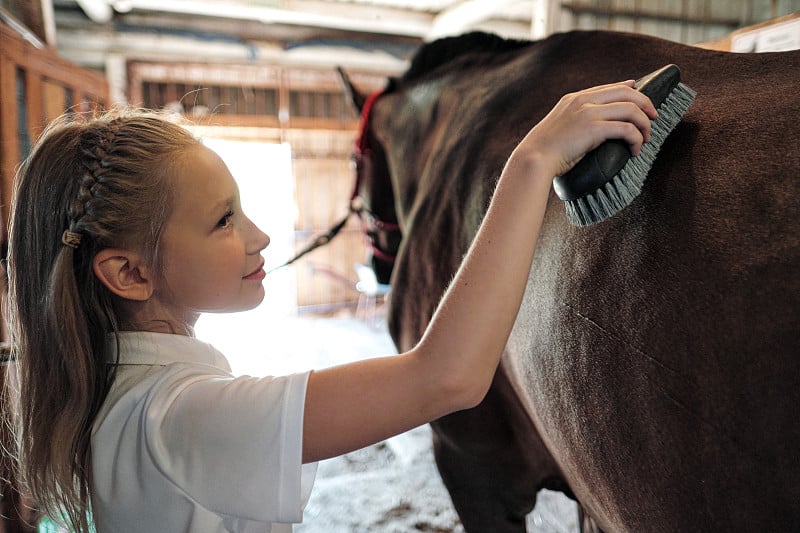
<point>126,227</point>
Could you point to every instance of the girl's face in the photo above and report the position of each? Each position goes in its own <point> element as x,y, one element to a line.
<point>211,250</point>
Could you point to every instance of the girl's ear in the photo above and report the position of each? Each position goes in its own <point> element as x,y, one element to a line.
<point>124,273</point>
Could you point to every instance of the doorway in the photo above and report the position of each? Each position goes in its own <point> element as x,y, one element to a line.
<point>263,172</point>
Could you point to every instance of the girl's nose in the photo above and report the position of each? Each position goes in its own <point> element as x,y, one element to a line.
<point>263,240</point>
<point>258,240</point>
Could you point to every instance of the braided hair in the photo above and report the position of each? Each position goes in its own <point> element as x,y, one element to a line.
<point>88,184</point>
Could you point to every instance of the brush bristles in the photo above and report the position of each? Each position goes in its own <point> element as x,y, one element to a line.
<point>627,184</point>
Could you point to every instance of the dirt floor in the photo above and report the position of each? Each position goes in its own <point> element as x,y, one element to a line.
<point>393,487</point>
<point>390,487</point>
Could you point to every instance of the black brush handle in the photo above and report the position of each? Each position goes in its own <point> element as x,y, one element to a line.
<point>599,166</point>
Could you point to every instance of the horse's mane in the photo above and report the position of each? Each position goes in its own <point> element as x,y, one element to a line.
<point>441,51</point>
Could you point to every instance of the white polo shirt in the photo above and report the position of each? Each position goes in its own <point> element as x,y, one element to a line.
<point>180,445</point>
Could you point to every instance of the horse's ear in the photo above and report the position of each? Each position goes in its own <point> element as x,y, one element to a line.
<point>355,95</point>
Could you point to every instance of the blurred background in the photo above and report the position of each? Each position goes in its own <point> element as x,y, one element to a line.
<point>257,80</point>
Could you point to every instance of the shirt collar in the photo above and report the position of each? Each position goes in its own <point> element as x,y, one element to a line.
<point>147,348</point>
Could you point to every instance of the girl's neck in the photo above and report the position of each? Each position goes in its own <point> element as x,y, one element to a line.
<point>151,315</point>
<point>161,326</point>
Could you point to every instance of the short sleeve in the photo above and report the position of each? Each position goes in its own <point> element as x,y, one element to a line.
<point>234,445</point>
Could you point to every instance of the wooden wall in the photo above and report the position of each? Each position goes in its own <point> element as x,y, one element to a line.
<point>35,87</point>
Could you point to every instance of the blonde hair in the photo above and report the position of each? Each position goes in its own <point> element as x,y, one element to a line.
<point>106,180</point>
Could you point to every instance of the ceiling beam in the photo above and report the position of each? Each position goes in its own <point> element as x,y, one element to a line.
<point>365,19</point>
<point>463,16</point>
<point>99,11</point>
<point>91,48</point>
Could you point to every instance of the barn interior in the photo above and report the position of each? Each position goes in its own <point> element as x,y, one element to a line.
<point>257,80</point>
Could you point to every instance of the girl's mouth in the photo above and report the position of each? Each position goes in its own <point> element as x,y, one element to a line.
<point>258,274</point>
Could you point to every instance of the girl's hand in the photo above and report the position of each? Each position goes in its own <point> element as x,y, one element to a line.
<point>582,121</point>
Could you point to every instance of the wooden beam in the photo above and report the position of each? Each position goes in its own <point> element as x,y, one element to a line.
<point>34,15</point>
<point>15,25</point>
<point>47,64</point>
<point>34,104</point>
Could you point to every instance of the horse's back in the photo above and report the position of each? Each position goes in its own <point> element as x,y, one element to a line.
<point>657,352</point>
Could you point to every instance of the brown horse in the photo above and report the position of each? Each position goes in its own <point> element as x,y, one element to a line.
<point>654,369</point>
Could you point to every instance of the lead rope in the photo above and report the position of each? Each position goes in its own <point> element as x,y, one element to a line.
<point>320,240</point>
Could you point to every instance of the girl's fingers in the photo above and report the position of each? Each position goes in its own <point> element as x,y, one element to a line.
<point>617,92</point>
<point>623,111</point>
<point>627,132</point>
<point>627,83</point>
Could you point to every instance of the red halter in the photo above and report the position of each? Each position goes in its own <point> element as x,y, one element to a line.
<point>362,147</point>
<point>362,150</point>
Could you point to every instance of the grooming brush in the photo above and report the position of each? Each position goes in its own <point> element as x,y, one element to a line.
<point>609,178</point>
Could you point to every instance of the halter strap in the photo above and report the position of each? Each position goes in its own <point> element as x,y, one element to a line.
<point>362,140</point>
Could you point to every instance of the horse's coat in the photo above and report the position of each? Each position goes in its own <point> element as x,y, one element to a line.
<point>654,368</point>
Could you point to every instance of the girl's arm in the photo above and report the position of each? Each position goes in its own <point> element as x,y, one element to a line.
<point>354,405</point>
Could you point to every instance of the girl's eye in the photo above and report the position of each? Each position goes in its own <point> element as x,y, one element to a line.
<point>225,221</point>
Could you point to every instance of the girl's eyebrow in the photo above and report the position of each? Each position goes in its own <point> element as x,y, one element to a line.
<point>221,205</point>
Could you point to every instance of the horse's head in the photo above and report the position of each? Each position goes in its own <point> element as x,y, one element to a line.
<point>414,168</point>
<point>403,128</point>
<point>373,197</point>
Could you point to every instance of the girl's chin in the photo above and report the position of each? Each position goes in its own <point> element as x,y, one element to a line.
<point>245,306</point>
